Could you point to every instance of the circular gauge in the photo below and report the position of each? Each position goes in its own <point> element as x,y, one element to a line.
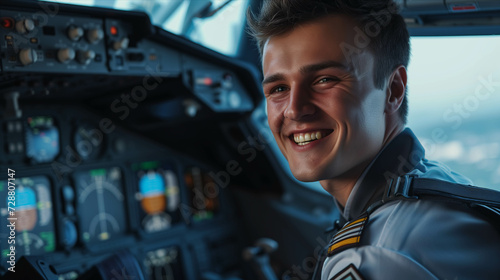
<point>158,196</point>
<point>88,141</point>
<point>33,218</point>
<point>101,204</point>
<point>42,139</point>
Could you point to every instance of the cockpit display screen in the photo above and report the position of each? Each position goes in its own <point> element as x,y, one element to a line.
<point>42,139</point>
<point>204,194</point>
<point>163,264</point>
<point>101,204</point>
<point>158,195</point>
<point>27,220</point>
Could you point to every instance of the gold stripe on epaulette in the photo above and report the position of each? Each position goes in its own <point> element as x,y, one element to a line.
<point>349,236</point>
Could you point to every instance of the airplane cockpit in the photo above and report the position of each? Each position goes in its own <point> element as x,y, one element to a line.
<point>135,145</point>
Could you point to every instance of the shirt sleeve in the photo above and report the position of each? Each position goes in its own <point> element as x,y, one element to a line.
<point>375,263</point>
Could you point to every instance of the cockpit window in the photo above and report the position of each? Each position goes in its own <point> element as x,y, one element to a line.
<point>216,24</point>
<point>454,93</point>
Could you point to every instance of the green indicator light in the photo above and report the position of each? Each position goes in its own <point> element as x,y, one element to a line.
<point>86,236</point>
<point>98,172</point>
<point>150,165</point>
<point>48,236</point>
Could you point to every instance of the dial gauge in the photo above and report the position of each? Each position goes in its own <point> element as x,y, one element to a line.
<point>101,204</point>
<point>88,141</point>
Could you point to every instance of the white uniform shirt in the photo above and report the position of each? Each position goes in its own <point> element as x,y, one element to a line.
<point>415,239</point>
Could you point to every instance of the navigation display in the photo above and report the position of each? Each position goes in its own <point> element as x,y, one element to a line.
<point>101,204</point>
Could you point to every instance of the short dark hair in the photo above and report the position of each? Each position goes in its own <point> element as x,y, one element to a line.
<point>389,39</point>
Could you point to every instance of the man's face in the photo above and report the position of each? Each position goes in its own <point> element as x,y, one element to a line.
<point>323,108</point>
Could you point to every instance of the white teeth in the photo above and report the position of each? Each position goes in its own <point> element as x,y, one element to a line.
<point>306,138</point>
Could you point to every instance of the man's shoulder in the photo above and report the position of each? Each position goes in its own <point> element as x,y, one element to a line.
<point>423,239</point>
<point>420,224</point>
<point>437,170</point>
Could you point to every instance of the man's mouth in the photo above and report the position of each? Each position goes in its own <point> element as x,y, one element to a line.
<point>303,139</point>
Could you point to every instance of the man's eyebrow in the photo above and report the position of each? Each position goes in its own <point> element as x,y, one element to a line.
<point>307,69</point>
<point>273,78</point>
<point>322,65</point>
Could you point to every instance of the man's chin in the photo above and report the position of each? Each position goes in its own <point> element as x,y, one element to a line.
<point>306,176</point>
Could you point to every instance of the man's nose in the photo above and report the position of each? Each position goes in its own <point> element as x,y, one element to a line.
<point>299,105</point>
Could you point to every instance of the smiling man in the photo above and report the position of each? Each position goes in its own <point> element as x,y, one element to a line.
<point>325,110</point>
<point>335,84</point>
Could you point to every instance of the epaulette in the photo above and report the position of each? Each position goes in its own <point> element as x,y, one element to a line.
<point>348,236</point>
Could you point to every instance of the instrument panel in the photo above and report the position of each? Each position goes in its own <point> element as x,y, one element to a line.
<point>103,117</point>
<point>75,212</point>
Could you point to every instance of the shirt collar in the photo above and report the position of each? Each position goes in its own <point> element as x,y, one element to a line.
<point>398,157</point>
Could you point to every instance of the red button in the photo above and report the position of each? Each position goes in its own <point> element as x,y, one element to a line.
<point>7,23</point>
<point>113,30</point>
<point>207,81</point>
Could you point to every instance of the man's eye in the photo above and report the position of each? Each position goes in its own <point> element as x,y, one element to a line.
<point>325,80</point>
<point>278,89</point>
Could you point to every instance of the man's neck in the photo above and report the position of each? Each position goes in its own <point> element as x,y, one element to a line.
<point>341,187</point>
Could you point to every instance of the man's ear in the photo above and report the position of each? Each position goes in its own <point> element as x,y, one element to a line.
<point>396,90</point>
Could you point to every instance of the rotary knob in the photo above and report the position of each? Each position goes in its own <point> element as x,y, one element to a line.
<point>85,57</point>
<point>75,33</point>
<point>27,56</point>
<point>95,35</point>
<point>66,55</point>
<point>25,26</point>
<point>69,234</point>
<point>121,44</point>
